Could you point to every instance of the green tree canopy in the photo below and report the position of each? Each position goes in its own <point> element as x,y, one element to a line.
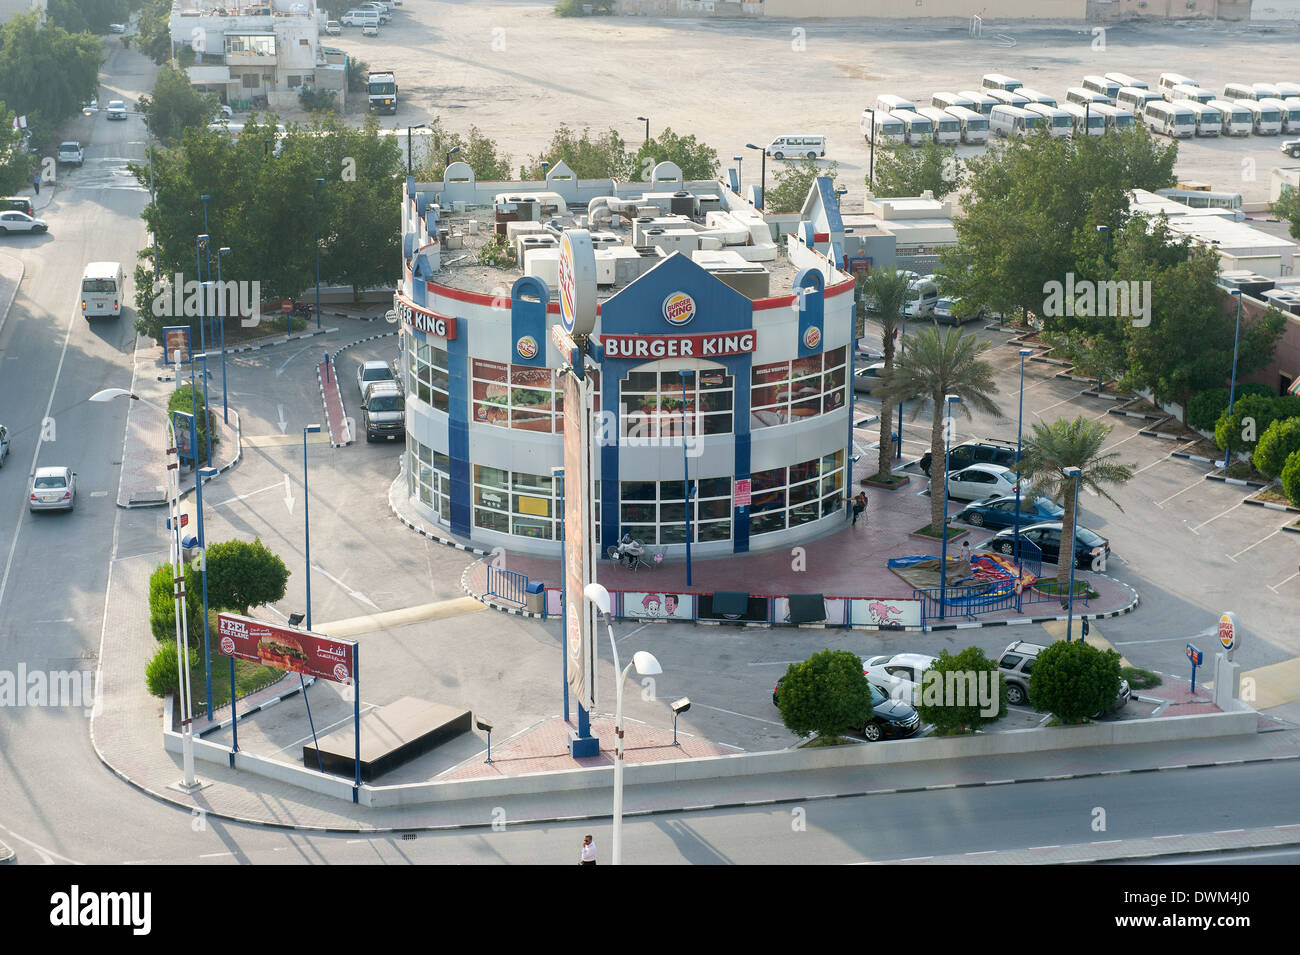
<point>696,160</point>
<point>162,601</point>
<point>243,574</point>
<point>1279,441</point>
<point>1074,680</point>
<point>973,670</point>
<point>826,694</point>
<point>1287,207</point>
<point>603,157</point>
<point>903,170</point>
<point>46,73</point>
<point>791,182</point>
<point>16,165</point>
<point>176,106</point>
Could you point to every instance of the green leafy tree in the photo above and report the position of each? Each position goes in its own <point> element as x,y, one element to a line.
<point>190,400</point>
<point>1279,441</point>
<point>604,157</point>
<point>970,669</point>
<point>902,170</point>
<point>162,675</point>
<point>887,288</point>
<point>1070,444</point>
<point>826,694</point>
<point>315,100</point>
<point>357,70</point>
<point>162,602</point>
<point>1291,478</point>
<point>477,150</point>
<point>45,71</point>
<point>790,184</point>
<point>176,106</point>
<point>91,16</point>
<point>154,31</point>
<point>1074,680</point>
<point>940,362</point>
<point>243,574</point>
<point>696,160</point>
<point>1251,417</point>
<point>1287,207</point>
<point>16,165</point>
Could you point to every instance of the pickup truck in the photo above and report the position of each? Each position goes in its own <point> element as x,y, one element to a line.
<point>71,154</point>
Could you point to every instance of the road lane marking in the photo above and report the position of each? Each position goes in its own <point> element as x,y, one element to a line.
<point>1157,461</point>
<point>1215,517</point>
<point>240,497</point>
<point>281,440</point>
<point>351,593</point>
<point>1233,557</point>
<point>1273,587</point>
<point>734,713</point>
<point>1161,504</point>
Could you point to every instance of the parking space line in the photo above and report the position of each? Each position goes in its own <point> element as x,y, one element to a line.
<point>1161,504</point>
<point>1233,557</point>
<point>734,713</point>
<point>1273,587</point>
<point>1155,462</point>
<point>1215,517</point>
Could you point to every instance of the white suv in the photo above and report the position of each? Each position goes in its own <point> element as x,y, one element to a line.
<point>1018,662</point>
<point>71,153</point>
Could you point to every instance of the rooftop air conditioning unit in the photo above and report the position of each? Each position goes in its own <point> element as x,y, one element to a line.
<point>528,245</point>
<point>545,265</point>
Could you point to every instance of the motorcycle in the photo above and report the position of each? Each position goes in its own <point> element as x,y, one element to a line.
<point>302,308</point>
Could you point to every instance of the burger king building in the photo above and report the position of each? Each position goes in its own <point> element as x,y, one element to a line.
<point>712,335</point>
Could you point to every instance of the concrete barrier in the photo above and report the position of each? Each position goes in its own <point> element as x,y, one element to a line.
<point>1044,739</point>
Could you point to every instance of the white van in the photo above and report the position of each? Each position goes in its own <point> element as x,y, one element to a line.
<point>1236,91</point>
<point>1084,97</point>
<point>1168,81</point>
<point>997,81</point>
<point>1288,89</point>
<point>1237,120</point>
<point>1036,97</point>
<point>1289,109</point>
<point>360,18</point>
<point>1135,100</point>
<point>945,99</point>
<point>1123,79</point>
<point>947,128</point>
<point>880,128</point>
<point>974,126</point>
<point>982,100</point>
<point>922,294</point>
<point>1118,119</point>
<point>1100,84</point>
<point>1087,117</point>
<point>1193,94</point>
<point>1060,124</point>
<point>1265,120</point>
<point>1171,119</point>
<point>1009,98</point>
<point>1009,121</point>
<point>1266,91</point>
<point>917,130</point>
<point>797,147</point>
<point>1209,121</point>
<point>101,289</point>
<point>888,103</point>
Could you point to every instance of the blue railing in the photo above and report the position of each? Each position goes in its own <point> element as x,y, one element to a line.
<point>507,584</point>
<point>967,601</point>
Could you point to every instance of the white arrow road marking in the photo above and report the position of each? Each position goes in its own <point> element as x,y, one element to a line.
<point>283,424</point>
<point>288,494</point>
<point>351,593</point>
<point>240,497</point>
<point>280,371</point>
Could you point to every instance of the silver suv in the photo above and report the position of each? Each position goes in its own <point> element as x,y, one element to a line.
<point>1018,662</point>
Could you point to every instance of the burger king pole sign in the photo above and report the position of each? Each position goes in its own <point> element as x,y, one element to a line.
<point>577,281</point>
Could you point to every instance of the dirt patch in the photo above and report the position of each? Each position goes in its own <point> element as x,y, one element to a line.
<point>959,575</point>
<point>1272,495</point>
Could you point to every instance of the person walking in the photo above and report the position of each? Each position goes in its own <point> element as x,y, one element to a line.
<point>36,183</point>
<point>588,851</point>
<point>965,551</point>
<point>859,505</point>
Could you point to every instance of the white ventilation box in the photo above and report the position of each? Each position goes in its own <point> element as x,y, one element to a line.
<point>605,271</point>
<point>685,241</point>
<point>545,265</point>
<point>528,245</point>
<point>604,240</point>
<point>515,229</point>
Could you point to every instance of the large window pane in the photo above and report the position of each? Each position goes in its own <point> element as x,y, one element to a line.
<point>714,531</point>
<point>717,508</point>
<point>492,520</point>
<point>714,487</point>
<point>527,527</point>
<point>763,480</point>
<point>672,513</point>
<point>638,490</point>
<point>491,477</point>
<point>638,513</point>
<point>766,523</point>
<point>496,500</point>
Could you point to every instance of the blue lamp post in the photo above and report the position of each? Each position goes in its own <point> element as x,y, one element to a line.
<point>740,172</point>
<point>1104,230</point>
<point>762,176</point>
<point>1020,418</point>
<point>949,402</point>
<point>203,357</point>
<point>200,475</point>
<point>1232,388</point>
<point>686,476</point>
<point>1069,619</point>
<point>315,188</point>
<point>306,513</point>
<point>200,245</point>
<point>225,404</point>
<point>902,350</point>
<point>207,250</point>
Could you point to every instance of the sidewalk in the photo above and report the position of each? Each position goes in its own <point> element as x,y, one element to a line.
<point>11,277</point>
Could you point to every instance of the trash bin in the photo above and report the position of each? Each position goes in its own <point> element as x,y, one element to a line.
<point>189,547</point>
<point>893,436</point>
<point>535,596</point>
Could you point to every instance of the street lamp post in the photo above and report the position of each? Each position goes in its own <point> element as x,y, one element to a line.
<point>207,251</point>
<point>200,474</point>
<point>200,245</point>
<point>1020,417</point>
<point>1069,618</point>
<point>646,120</point>
<point>225,403</point>
<point>409,167</point>
<point>188,782</point>
<point>948,402</point>
<point>902,350</point>
<point>1104,230</point>
<point>740,174</point>
<point>1232,387</point>
<point>646,665</point>
<point>306,513</point>
<point>153,199</point>
<point>446,159</point>
<point>315,188</point>
<point>871,167</point>
<point>686,477</point>
<point>762,187</point>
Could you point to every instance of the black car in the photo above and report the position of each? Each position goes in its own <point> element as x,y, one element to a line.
<point>975,452</point>
<point>1087,544</point>
<point>891,719</point>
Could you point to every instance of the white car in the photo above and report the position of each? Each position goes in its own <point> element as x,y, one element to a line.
<point>117,27</point>
<point>379,8</point>
<point>899,675</point>
<point>71,153</point>
<point>333,28</point>
<point>53,489</point>
<point>369,29</point>
<point>116,109</point>
<point>980,482</point>
<point>369,372</point>
<point>15,221</point>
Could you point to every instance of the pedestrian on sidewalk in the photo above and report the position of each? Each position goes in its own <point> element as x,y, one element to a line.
<point>859,505</point>
<point>588,851</point>
<point>36,183</point>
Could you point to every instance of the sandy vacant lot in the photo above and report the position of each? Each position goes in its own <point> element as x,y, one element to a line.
<point>517,71</point>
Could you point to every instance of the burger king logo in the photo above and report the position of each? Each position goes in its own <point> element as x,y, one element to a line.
<point>679,309</point>
<point>227,645</point>
<point>812,337</point>
<point>340,673</point>
<point>526,347</point>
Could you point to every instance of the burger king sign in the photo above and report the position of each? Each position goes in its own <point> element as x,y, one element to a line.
<point>526,347</point>
<point>679,309</point>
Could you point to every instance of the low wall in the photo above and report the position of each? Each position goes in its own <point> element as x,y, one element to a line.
<point>1166,729</point>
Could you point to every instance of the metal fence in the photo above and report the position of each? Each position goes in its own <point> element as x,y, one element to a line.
<point>966,601</point>
<point>507,584</point>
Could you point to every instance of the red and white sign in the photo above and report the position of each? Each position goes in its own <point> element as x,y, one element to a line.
<point>679,346</point>
<point>526,347</point>
<point>577,281</point>
<point>679,309</point>
<point>742,492</point>
<point>287,649</point>
<point>1228,632</point>
<point>812,337</point>
<point>423,320</point>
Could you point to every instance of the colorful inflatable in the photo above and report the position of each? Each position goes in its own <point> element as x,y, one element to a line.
<point>994,574</point>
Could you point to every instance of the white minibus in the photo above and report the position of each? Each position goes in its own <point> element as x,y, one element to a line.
<point>1170,119</point>
<point>887,103</point>
<point>974,125</point>
<point>1123,79</point>
<point>1265,120</point>
<point>947,128</point>
<point>982,100</point>
<point>1118,119</point>
<point>1089,117</point>
<point>917,130</point>
<point>1209,121</point>
<point>1237,120</point>
<point>1009,98</point>
<point>997,81</point>
<point>1236,91</point>
<point>101,289</point>
<point>1100,84</point>
<point>1135,99</point>
<point>1082,97</point>
<point>1289,110</point>
<point>945,99</point>
<point>1189,94</point>
<point>1060,124</point>
<point>880,128</point>
<point>1009,121</point>
<point>1168,81</point>
<point>1036,97</point>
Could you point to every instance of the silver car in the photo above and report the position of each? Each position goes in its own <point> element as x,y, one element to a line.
<point>53,489</point>
<point>370,372</point>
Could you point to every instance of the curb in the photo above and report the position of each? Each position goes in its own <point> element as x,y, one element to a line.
<point>1271,506</point>
<point>1105,397</point>
<point>264,705</point>
<point>483,598</point>
<point>1159,434</point>
<point>478,552</point>
<point>360,341</point>
<point>1132,414</point>
<point>4,313</point>
<point>1291,530</point>
<point>1192,457</point>
<point>1048,361</point>
<point>280,340</point>
<point>347,436</point>
<point>1238,482</point>
<point>239,453</point>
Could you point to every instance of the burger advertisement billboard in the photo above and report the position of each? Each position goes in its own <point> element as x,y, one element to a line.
<point>287,649</point>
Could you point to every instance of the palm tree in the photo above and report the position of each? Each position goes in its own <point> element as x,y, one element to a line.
<point>939,363</point>
<point>1070,444</point>
<point>888,288</point>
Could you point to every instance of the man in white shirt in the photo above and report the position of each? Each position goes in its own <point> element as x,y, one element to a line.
<point>588,851</point>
